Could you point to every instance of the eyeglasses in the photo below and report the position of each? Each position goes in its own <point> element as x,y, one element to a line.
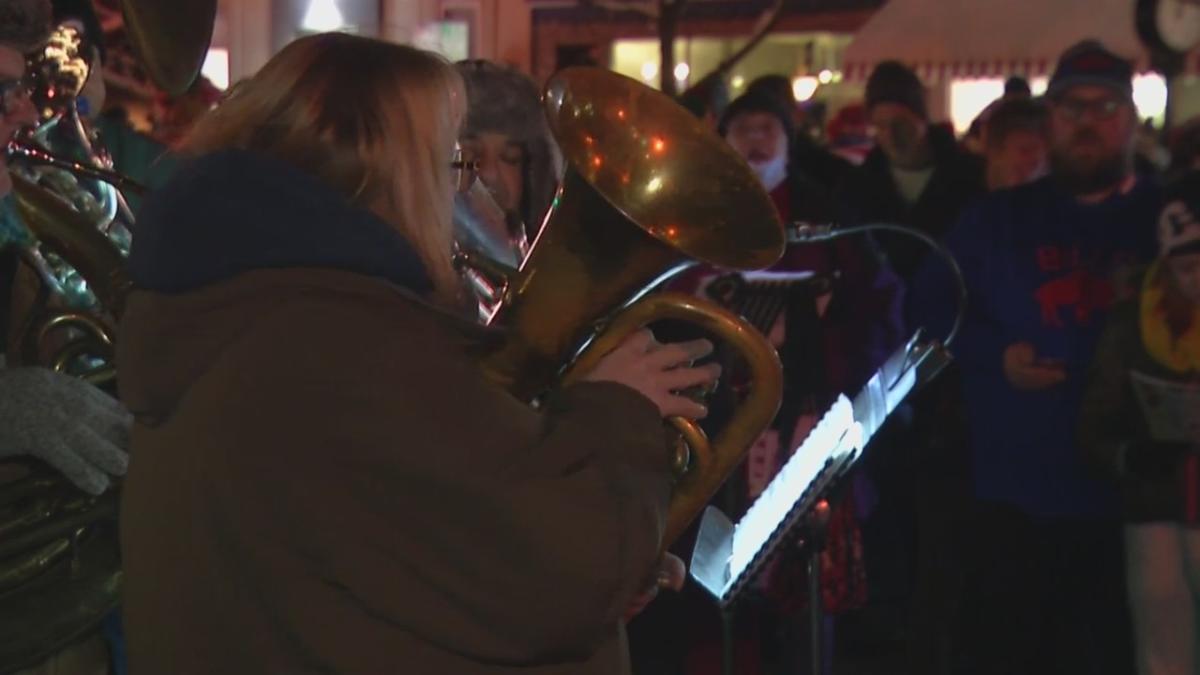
<point>1074,109</point>
<point>13,93</point>
<point>465,171</point>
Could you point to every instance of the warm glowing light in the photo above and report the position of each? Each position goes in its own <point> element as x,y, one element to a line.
<point>825,76</point>
<point>682,70</point>
<point>654,185</point>
<point>659,145</point>
<point>738,82</point>
<point>803,88</point>
<point>968,98</point>
<point>649,70</point>
<point>322,15</point>
<point>1150,96</point>
<point>597,161</point>
<point>216,67</point>
<point>620,113</point>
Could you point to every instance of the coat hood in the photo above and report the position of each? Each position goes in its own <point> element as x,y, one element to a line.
<point>232,239</point>
<point>234,211</point>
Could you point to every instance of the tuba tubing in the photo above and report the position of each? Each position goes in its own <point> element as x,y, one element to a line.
<point>700,473</point>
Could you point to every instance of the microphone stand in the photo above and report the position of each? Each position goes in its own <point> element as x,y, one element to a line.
<point>817,520</point>
<point>806,233</point>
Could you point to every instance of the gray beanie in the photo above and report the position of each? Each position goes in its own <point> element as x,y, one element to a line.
<point>503,100</point>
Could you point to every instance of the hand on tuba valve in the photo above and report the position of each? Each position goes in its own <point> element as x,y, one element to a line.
<point>648,191</point>
<point>659,372</point>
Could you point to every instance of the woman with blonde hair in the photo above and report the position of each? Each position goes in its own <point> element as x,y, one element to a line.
<point>322,479</point>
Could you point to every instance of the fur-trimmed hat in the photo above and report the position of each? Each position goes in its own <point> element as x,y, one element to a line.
<point>503,100</point>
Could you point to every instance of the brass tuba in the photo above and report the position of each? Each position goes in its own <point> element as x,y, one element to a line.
<point>648,191</point>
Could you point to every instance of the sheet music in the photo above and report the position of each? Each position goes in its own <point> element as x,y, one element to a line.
<point>727,555</point>
<point>768,275</point>
<point>1171,409</point>
<point>826,441</point>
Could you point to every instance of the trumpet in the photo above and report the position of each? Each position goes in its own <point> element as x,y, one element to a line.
<point>24,151</point>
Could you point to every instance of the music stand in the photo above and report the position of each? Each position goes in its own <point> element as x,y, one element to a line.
<point>728,556</point>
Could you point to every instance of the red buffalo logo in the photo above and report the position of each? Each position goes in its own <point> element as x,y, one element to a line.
<point>1082,291</point>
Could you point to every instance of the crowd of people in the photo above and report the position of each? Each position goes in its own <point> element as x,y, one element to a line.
<point>321,479</point>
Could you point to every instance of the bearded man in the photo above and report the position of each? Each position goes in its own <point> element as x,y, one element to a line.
<point>1043,263</point>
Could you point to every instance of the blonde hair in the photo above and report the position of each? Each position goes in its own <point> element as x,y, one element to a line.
<point>376,121</point>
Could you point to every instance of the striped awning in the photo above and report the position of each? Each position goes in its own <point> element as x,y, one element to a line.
<point>949,39</point>
<point>938,71</point>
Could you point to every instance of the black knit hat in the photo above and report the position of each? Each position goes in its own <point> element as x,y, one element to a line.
<point>1017,86</point>
<point>1090,63</point>
<point>894,82</point>
<point>757,102</point>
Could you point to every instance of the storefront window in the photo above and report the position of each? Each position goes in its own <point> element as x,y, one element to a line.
<point>968,98</point>
<point>451,39</point>
<point>812,60</point>
<point>293,18</point>
<point>1150,97</point>
<point>216,67</point>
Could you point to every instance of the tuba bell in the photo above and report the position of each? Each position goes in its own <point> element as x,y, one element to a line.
<point>648,191</point>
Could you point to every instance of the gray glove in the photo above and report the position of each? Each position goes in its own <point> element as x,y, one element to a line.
<point>65,422</point>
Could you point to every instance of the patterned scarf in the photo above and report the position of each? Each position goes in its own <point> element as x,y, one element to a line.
<point>1180,354</point>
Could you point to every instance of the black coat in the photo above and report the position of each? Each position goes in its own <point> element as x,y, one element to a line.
<point>869,195</point>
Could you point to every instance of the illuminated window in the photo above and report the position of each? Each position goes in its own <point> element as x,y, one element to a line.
<point>1150,96</point>
<point>968,98</point>
<point>817,54</point>
<point>451,39</point>
<point>322,15</point>
<point>216,67</point>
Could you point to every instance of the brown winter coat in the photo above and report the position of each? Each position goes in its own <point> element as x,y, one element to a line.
<point>323,481</point>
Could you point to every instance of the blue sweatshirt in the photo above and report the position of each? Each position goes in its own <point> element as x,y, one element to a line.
<point>1042,268</point>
